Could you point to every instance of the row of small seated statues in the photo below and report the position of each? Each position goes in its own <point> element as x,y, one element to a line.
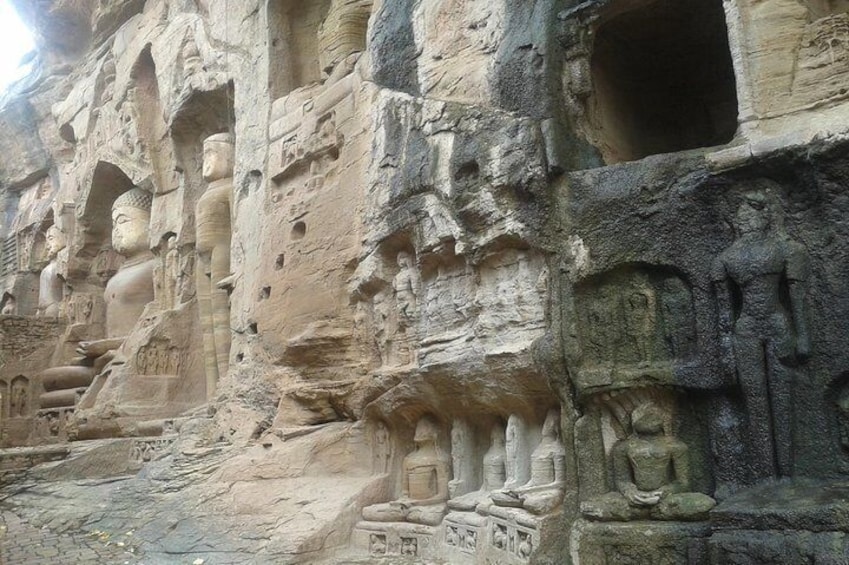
<point>651,468</point>
<point>132,288</point>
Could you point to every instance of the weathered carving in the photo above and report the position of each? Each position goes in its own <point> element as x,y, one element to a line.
<point>50,285</point>
<point>158,358</point>
<point>377,544</point>
<point>146,450</point>
<point>213,216</point>
<point>425,475</point>
<point>382,448</point>
<point>131,289</point>
<point>652,476</point>
<point>544,489</point>
<point>19,398</point>
<point>766,335</point>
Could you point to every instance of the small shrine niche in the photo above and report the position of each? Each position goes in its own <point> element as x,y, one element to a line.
<point>293,43</point>
<point>663,80</point>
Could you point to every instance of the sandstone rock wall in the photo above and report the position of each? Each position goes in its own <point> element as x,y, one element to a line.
<point>433,280</point>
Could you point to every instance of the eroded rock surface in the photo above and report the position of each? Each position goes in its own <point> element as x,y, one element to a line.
<point>427,281</point>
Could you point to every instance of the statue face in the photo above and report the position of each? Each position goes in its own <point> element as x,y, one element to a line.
<point>55,240</point>
<point>647,420</point>
<point>217,160</point>
<point>750,220</point>
<point>129,230</point>
<point>426,431</point>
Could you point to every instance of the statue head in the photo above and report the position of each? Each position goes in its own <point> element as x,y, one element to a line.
<point>496,436</point>
<point>130,222</point>
<point>551,427</point>
<point>427,431</point>
<point>753,215</point>
<point>218,157</point>
<point>405,260</point>
<point>647,419</point>
<point>55,241</point>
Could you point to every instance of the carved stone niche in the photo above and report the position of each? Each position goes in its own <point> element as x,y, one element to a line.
<point>635,324</point>
<point>649,77</point>
<point>313,41</point>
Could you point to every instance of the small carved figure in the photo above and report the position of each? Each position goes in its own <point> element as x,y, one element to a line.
<point>499,536</point>
<point>526,546</point>
<point>50,284</point>
<point>377,544</point>
<point>640,307</point>
<point>409,546</point>
<point>652,475</point>
<point>382,448</point>
<point>425,478</point>
<point>461,449</point>
<point>407,288</point>
<point>213,217</point>
<point>19,398</point>
<point>9,307</point>
<point>767,335</point>
<point>451,536</point>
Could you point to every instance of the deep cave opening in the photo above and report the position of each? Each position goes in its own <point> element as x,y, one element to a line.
<point>663,79</point>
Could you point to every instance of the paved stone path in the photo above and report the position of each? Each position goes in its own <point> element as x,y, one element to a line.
<point>23,544</point>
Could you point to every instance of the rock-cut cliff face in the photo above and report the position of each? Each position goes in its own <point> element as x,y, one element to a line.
<point>429,281</point>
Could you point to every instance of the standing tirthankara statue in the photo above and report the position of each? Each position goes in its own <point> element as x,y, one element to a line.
<point>131,289</point>
<point>652,476</point>
<point>407,288</point>
<point>767,333</point>
<point>425,475</point>
<point>50,284</point>
<point>213,221</point>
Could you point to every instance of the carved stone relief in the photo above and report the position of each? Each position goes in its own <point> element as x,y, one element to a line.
<point>765,334</point>
<point>652,476</point>
<point>636,320</point>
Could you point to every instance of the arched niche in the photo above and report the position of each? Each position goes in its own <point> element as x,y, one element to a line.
<point>4,400</point>
<point>19,397</point>
<point>204,113</point>
<point>147,104</point>
<point>663,79</point>
<point>95,218</point>
<point>293,43</point>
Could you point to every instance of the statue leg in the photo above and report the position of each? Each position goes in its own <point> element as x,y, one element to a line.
<point>780,381</point>
<point>386,512</point>
<point>750,353</point>
<point>220,267</point>
<point>204,286</point>
<point>684,506</point>
<point>610,507</point>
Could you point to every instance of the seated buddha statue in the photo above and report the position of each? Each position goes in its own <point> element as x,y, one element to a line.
<point>426,472</point>
<point>544,491</point>
<point>652,476</point>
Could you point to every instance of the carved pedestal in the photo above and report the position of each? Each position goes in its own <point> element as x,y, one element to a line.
<point>381,539</point>
<point>658,543</point>
<point>803,521</point>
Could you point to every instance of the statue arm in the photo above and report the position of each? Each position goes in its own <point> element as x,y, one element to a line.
<point>722,289</point>
<point>798,267</point>
<point>681,468</point>
<point>622,473</point>
<point>97,348</point>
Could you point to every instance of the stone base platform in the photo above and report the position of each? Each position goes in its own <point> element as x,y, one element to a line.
<point>789,522</point>
<point>382,539</point>
<point>649,543</point>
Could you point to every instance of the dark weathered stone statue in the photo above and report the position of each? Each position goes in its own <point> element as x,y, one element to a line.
<point>766,328</point>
